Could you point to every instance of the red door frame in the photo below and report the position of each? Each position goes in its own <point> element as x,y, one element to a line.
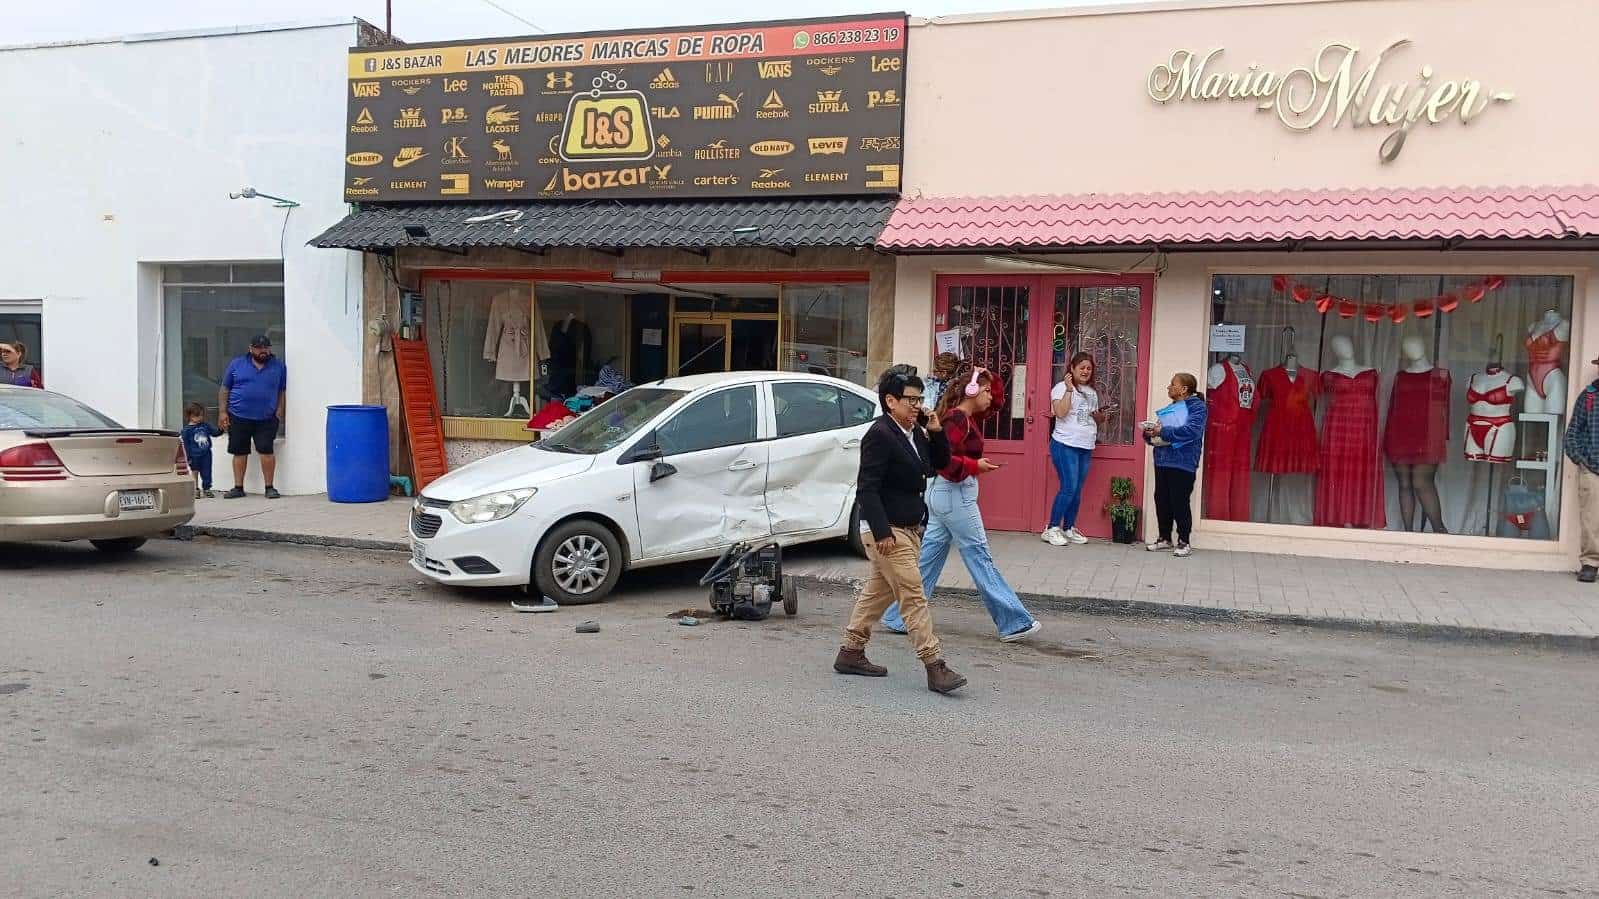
<point>1019,496</point>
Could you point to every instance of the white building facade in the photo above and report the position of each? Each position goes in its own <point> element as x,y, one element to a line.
<point>126,266</point>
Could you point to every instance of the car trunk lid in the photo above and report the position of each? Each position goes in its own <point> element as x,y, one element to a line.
<point>110,453</point>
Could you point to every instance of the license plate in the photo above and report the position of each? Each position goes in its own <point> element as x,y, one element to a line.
<point>136,500</point>
<point>418,554</point>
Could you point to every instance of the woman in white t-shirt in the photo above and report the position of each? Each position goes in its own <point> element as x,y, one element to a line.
<point>1075,405</point>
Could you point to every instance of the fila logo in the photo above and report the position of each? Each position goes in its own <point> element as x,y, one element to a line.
<point>776,68</point>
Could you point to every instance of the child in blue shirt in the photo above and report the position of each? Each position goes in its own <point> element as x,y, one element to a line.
<point>197,434</point>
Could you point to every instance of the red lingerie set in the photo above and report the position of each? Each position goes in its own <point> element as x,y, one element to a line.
<point>1544,356</point>
<point>1481,429</point>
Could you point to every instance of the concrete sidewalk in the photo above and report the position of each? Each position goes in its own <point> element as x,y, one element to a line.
<point>1545,608</point>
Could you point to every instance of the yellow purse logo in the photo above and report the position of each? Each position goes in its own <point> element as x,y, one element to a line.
<point>608,123</point>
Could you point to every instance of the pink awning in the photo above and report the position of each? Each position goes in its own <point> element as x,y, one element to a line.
<point>1108,220</point>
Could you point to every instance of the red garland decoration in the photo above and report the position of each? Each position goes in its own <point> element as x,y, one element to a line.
<point>1347,308</point>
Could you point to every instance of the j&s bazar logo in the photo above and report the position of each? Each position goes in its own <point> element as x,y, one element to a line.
<point>608,123</point>
<point>635,176</point>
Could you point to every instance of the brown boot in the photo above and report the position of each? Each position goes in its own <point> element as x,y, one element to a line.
<point>854,661</point>
<point>940,679</point>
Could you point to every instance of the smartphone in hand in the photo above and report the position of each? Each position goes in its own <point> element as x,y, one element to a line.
<point>921,418</point>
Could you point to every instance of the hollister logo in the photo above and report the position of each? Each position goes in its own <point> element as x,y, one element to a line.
<point>364,158</point>
<point>829,102</point>
<point>828,146</point>
<point>776,68</point>
<point>717,150</point>
<point>772,148</point>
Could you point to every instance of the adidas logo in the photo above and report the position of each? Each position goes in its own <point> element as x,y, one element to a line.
<point>665,81</point>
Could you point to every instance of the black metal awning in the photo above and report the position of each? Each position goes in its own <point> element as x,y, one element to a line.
<point>614,224</point>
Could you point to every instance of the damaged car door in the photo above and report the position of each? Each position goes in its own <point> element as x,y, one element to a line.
<point>815,454</point>
<point>707,487</point>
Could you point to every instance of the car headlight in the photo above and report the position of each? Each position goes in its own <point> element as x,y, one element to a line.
<point>491,507</point>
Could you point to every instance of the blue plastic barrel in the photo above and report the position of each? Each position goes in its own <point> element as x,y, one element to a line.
<point>358,454</point>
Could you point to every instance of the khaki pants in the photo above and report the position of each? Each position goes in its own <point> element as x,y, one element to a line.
<point>1588,506</point>
<point>895,578</point>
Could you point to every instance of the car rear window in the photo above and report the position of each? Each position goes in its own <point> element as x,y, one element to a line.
<point>23,409</point>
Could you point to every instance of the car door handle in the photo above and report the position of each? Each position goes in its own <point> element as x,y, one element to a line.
<point>741,465</point>
<point>852,444</point>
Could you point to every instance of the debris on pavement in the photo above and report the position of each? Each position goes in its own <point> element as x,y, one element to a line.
<point>155,862</point>
<point>545,604</point>
<point>689,621</point>
<point>589,627</point>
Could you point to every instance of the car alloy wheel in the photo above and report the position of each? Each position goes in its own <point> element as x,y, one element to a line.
<point>581,564</point>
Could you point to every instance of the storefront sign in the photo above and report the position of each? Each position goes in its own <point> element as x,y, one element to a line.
<point>1340,85</point>
<point>785,109</point>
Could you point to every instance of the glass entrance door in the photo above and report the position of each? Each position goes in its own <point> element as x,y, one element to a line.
<point>714,343</point>
<point>700,347</point>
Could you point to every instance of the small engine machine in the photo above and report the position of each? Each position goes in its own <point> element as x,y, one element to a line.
<point>747,579</point>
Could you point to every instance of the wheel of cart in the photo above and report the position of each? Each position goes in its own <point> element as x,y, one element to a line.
<point>790,597</point>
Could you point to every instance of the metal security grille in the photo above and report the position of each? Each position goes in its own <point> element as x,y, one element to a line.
<point>993,326</point>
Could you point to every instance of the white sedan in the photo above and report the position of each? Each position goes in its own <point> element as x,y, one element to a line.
<point>666,472</point>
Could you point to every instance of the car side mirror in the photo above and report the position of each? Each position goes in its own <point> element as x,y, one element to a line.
<point>647,450</point>
<point>661,470</point>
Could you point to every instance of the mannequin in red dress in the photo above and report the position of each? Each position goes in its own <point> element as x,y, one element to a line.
<point>1349,482</point>
<point>1227,437</point>
<point>1415,435</point>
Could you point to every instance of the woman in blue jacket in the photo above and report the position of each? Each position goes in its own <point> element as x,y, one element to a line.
<point>1178,436</point>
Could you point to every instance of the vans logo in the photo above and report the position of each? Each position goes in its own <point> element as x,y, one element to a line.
<point>776,68</point>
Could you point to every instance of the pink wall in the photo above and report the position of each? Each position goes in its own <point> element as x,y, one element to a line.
<point>1056,102</point>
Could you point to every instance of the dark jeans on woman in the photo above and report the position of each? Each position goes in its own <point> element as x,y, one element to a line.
<point>1173,490</point>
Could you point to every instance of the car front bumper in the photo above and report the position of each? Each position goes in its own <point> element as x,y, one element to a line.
<point>491,554</point>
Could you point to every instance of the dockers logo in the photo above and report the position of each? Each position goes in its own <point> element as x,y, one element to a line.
<point>830,65</point>
<point>366,90</point>
<point>412,86</point>
<point>879,144</point>
<point>775,68</point>
<point>360,187</point>
<point>408,155</point>
<point>557,82</point>
<point>363,123</point>
<point>450,115</point>
<point>636,176</point>
<point>886,176</point>
<point>772,148</point>
<point>726,108</point>
<point>499,120</point>
<point>504,86</point>
<point>608,125</point>
<point>829,102</point>
<point>769,179</point>
<point>665,81</point>
<point>364,158</point>
<point>828,146</point>
<point>505,184</point>
<point>455,184</point>
<point>455,151</point>
<point>881,99</point>
<point>773,108</point>
<point>716,150</point>
<point>411,117</point>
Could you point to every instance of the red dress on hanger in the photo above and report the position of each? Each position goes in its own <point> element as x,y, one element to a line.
<point>1349,483</point>
<point>1288,438</point>
<point>1228,430</point>
<point>1418,418</point>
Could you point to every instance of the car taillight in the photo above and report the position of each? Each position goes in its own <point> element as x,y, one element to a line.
<point>181,461</point>
<point>31,462</point>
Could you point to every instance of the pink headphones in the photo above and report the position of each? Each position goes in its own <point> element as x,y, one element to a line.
<point>975,388</point>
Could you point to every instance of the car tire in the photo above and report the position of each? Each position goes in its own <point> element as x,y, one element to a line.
<point>119,546</point>
<point>790,593</point>
<point>578,563</point>
<point>856,544</point>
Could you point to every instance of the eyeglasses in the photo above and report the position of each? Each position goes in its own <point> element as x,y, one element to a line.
<point>913,399</point>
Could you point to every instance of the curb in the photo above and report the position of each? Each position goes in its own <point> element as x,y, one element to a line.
<point>1133,608</point>
<point>1125,608</point>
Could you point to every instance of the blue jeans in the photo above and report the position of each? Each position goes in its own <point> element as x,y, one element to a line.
<point>953,518</point>
<point>1071,467</point>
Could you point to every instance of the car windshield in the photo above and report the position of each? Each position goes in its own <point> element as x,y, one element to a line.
<point>611,422</point>
<point>25,408</point>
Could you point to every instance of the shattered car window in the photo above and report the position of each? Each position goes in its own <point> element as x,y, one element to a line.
<point>605,426</point>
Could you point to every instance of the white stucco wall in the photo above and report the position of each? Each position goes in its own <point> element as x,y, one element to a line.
<point>120,156</point>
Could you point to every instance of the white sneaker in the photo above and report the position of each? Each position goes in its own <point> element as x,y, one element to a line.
<point>1183,551</point>
<point>1055,537</point>
<point>1023,634</point>
<point>1159,546</point>
<point>1076,536</point>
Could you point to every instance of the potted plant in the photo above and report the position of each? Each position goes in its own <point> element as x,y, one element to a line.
<point>1123,514</point>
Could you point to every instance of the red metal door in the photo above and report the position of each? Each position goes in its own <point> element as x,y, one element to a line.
<point>1109,318</point>
<point>995,316</point>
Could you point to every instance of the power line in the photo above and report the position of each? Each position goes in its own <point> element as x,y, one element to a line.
<point>513,15</point>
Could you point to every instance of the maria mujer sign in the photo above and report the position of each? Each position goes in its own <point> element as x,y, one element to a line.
<point>770,109</point>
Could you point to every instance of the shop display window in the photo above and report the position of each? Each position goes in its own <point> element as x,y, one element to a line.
<point>1427,403</point>
<point>210,313</point>
<point>824,330</point>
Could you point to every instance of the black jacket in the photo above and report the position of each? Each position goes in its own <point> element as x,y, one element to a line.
<point>893,479</point>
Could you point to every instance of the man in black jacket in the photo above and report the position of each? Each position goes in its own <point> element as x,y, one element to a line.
<point>901,450</point>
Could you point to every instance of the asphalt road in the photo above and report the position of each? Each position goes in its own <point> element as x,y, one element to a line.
<point>291,721</point>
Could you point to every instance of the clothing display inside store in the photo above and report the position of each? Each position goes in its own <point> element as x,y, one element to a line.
<point>1366,384</point>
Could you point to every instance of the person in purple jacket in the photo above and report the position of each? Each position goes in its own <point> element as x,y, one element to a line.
<point>1178,436</point>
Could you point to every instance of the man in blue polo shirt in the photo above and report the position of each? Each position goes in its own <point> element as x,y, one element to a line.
<point>251,401</point>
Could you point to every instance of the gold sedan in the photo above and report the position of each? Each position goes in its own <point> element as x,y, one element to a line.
<point>69,473</point>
